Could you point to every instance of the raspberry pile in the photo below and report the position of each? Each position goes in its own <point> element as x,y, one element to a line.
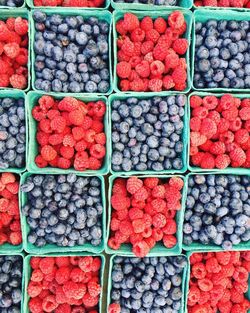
<point>71,53</point>
<point>147,134</point>
<point>218,281</point>
<point>144,213</point>
<point>14,52</point>
<point>12,133</point>
<point>10,227</point>
<point>220,129</point>
<point>222,58</point>
<point>63,210</point>
<point>147,285</point>
<point>223,3</point>
<point>154,2</point>
<point>217,210</point>
<point>11,272</point>
<point>65,284</point>
<point>70,133</point>
<point>151,53</point>
<point>70,3</point>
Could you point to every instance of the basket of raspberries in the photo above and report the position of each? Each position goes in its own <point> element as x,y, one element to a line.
<point>68,3</point>
<point>14,52</point>
<point>223,3</point>
<point>219,131</point>
<point>69,133</point>
<point>145,214</point>
<point>64,284</point>
<point>151,52</point>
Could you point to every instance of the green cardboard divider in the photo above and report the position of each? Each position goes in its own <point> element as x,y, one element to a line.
<point>199,247</point>
<point>117,15</point>
<point>203,15</point>
<point>52,248</point>
<point>33,97</point>
<point>17,94</point>
<point>184,155</point>
<point>159,249</point>
<point>24,13</point>
<point>100,14</point>
<point>183,285</point>
<point>27,270</point>
<point>228,170</point>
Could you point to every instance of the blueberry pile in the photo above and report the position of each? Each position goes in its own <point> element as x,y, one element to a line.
<point>72,53</point>
<point>148,285</point>
<point>217,210</point>
<point>64,210</point>
<point>222,54</point>
<point>11,3</point>
<point>154,2</point>
<point>147,133</point>
<point>11,268</point>
<point>12,133</point>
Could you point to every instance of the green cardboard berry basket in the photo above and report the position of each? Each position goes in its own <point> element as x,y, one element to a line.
<point>30,3</point>
<point>15,253</point>
<point>199,169</point>
<point>188,273</point>
<point>140,96</point>
<point>117,15</point>
<point>203,15</point>
<point>187,4</point>
<point>8,248</point>
<point>17,94</point>
<point>159,249</point>
<point>52,248</point>
<point>101,14</point>
<point>199,247</point>
<point>24,13</point>
<point>183,285</point>
<point>33,98</point>
<point>27,271</point>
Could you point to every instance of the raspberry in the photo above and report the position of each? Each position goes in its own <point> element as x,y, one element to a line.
<point>140,249</point>
<point>49,303</point>
<point>168,82</point>
<point>130,22</point>
<point>152,35</point>
<point>195,101</point>
<point>16,238</point>
<point>146,47</point>
<point>18,81</point>
<point>169,241</point>
<point>94,289</point>
<point>35,305</point>
<point>34,289</point>
<point>160,25</point>
<point>225,307</point>
<point>63,308</point>
<point>97,151</point>
<point>176,182</point>
<point>48,153</point>
<point>237,156</point>
<point>11,50</point>
<point>85,263</point>
<point>114,308</point>
<point>143,69</point>
<point>123,69</point>
<point>158,192</point>
<point>159,220</point>
<point>212,265</point>
<point>157,68</point>
<point>58,124</point>
<point>199,271</point>
<point>147,23</point>
<point>135,213</point>
<point>205,284</point>
<point>134,184</point>
<point>194,294</point>
<point>180,46</point>
<point>208,161</point>
<point>151,182</point>
<point>7,178</point>
<point>208,128</point>
<point>241,136</point>
<point>68,104</point>
<point>137,35</point>
<point>179,75</point>
<point>218,148</point>
<point>197,139</point>
<point>240,274</point>
<point>138,226</point>
<point>21,26</point>
<point>155,85</point>
<point>176,20</point>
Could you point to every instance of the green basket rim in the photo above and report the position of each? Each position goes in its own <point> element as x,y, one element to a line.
<point>8,248</point>
<point>25,13</point>
<point>32,97</point>
<point>184,278</point>
<point>27,270</point>
<point>214,14</point>
<point>196,169</point>
<point>159,249</point>
<point>30,4</point>
<point>102,14</point>
<point>52,248</point>
<point>188,15</point>
<point>184,154</point>
<point>16,94</point>
<point>148,6</point>
<point>199,247</point>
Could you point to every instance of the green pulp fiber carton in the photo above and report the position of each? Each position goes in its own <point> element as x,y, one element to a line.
<point>204,15</point>
<point>100,14</point>
<point>159,249</point>
<point>52,248</point>
<point>199,247</point>
<point>141,96</point>
<point>17,94</point>
<point>183,284</point>
<point>240,170</point>
<point>15,253</point>
<point>8,248</point>
<point>187,4</point>
<point>31,4</point>
<point>118,15</point>
<point>24,13</point>
<point>188,279</point>
<point>28,272</point>
<point>33,98</point>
